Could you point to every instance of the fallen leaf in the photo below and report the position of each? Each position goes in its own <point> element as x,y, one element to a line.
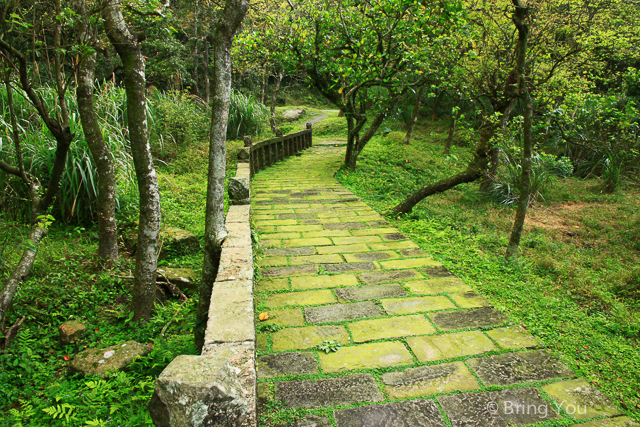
<point>67,358</point>
<point>263,316</point>
<point>150,344</point>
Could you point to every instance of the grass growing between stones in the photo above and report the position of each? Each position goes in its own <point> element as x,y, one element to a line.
<point>576,286</point>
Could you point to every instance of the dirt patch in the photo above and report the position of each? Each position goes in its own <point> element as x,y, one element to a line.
<point>556,217</point>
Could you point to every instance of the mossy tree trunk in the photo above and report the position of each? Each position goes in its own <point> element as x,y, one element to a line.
<point>274,98</point>
<point>215,230</point>
<point>473,172</point>
<point>519,18</point>
<point>127,47</point>
<point>102,157</point>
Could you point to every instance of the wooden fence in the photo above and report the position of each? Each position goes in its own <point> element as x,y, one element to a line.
<point>265,153</point>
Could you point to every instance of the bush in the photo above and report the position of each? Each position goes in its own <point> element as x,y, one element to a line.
<point>505,188</point>
<point>247,116</point>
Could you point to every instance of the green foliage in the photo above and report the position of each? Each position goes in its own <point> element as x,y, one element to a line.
<point>179,121</point>
<point>601,136</point>
<point>76,198</point>
<point>246,116</point>
<point>329,346</point>
<point>505,188</point>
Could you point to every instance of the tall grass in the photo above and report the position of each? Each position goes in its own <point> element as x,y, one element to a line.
<point>77,196</point>
<point>247,116</point>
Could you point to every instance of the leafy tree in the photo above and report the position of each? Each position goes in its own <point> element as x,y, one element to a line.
<point>364,56</point>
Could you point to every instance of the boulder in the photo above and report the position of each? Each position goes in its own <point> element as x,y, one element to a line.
<point>177,240</point>
<point>185,279</point>
<point>199,391</point>
<point>71,331</point>
<point>292,115</point>
<point>96,361</point>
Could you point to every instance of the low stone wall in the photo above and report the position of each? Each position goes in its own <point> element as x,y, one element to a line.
<point>218,388</point>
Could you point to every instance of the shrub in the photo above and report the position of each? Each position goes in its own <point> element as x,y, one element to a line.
<point>247,116</point>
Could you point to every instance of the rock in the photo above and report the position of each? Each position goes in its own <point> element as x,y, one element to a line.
<point>239,191</point>
<point>292,115</point>
<point>184,278</point>
<point>244,154</point>
<point>96,361</point>
<point>198,391</point>
<point>71,331</point>
<point>177,240</point>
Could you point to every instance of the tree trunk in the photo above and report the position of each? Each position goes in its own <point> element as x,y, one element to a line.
<point>22,269</point>
<point>263,87</point>
<point>61,131</point>
<point>436,106</point>
<point>102,157</point>
<point>207,90</point>
<point>195,48</point>
<point>126,44</point>
<point>215,230</point>
<point>274,96</point>
<point>414,117</point>
<point>519,17</point>
<point>452,130</point>
<point>473,172</point>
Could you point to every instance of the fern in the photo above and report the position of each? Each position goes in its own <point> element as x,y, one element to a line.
<point>64,410</point>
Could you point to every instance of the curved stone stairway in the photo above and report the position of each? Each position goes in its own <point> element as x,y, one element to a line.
<point>418,347</point>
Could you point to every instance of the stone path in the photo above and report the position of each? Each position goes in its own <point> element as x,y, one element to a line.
<point>419,347</point>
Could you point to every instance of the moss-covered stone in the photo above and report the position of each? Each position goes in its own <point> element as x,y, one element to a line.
<point>301,298</point>
<point>371,256</point>
<point>315,259</point>
<point>341,249</point>
<point>449,346</point>
<point>463,319</point>
<point>277,365</point>
<point>416,304</point>
<point>513,337</point>
<point>272,284</point>
<point>307,337</point>
<point>438,286</point>
<point>409,263</point>
<point>470,300</point>
<point>272,261</point>
<point>317,241</point>
<point>366,356</point>
<point>390,327</point>
<point>285,317</point>
<point>580,399</point>
<point>99,361</point>
<point>388,276</point>
<point>360,293</point>
<point>318,282</point>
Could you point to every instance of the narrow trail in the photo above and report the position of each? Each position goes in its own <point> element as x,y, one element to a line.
<point>418,346</point>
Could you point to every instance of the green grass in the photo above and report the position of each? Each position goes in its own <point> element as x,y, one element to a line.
<point>576,286</point>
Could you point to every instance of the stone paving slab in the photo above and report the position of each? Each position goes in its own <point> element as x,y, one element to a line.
<point>307,337</point>
<point>580,399</point>
<point>279,364</point>
<point>413,413</point>
<point>462,319</point>
<point>428,380</point>
<point>390,327</point>
<point>449,346</point>
<point>399,315</point>
<point>409,305</point>
<point>330,392</point>
<point>525,366</point>
<point>342,312</point>
<point>370,292</point>
<point>366,356</point>
<point>613,422</point>
<point>511,407</point>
